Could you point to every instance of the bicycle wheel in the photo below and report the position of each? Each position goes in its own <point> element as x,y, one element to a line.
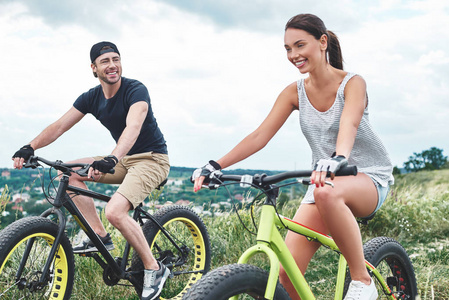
<point>13,241</point>
<point>190,261</point>
<point>394,265</point>
<point>242,280</point>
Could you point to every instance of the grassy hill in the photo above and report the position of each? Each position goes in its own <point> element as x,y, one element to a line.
<point>416,213</point>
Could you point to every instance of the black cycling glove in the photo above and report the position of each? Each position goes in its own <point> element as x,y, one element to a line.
<point>25,152</point>
<point>211,168</point>
<point>106,164</point>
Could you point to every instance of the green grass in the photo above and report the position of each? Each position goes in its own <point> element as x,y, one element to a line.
<point>416,213</point>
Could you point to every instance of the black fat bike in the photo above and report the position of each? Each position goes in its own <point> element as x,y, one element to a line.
<point>37,260</point>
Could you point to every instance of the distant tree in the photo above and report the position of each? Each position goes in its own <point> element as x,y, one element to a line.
<point>432,159</point>
<point>396,171</point>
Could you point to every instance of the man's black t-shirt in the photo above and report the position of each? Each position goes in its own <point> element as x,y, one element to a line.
<point>112,114</point>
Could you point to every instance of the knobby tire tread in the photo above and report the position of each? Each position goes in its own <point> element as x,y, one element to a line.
<point>163,216</point>
<point>18,230</point>
<point>232,280</point>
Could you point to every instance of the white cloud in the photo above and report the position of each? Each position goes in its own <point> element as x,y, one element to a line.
<point>212,82</point>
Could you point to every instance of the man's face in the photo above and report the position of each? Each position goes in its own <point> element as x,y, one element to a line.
<point>108,67</point>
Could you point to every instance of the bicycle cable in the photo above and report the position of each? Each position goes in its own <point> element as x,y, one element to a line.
<point>275,206</point>
<point>51,186</point>
<point>256,198</point>
<point>280,219</point>
<point>234,205</point>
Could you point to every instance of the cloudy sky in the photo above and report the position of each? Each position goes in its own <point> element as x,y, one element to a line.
<point>214,69</point>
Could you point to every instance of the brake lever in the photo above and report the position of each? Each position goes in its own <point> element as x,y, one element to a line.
<point>83,172</point>
<point>32,163</point>
<point>307,182</point>
<point>211,186</point>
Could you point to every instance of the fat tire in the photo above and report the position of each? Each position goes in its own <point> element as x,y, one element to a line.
<point>387,250</point>
<point>232,280</point>
<point>201,255</point>
<point>45,231</point>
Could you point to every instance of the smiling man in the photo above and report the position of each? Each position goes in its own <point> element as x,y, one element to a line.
<point>139,158</point>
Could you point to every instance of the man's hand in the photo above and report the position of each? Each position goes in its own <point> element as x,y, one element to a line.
<point>22,155</point>
<point>104,165</point>
<point>200,174</point>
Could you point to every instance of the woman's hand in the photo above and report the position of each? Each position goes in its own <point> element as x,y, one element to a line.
<point>323,166</point>
<point>200,174</point>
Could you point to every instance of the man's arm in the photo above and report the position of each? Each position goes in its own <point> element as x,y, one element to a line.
<point>56,129</point>
<point>134,120</point>
<point>52,132</point>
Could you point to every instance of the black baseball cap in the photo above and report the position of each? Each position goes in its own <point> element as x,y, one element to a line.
<point>96,51</point>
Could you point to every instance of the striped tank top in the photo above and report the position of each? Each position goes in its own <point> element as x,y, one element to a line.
<point>321,130</point>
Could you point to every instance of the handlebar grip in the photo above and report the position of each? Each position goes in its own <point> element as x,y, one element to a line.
<point>346,171</point>
<point>83,172</point>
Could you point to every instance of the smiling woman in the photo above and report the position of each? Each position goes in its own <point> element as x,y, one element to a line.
<point>333,109</point>
<point>317,29</point>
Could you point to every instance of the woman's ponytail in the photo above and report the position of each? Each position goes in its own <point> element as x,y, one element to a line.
<point>334,51</point>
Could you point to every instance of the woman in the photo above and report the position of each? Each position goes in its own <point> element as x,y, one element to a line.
<point>333,108</point>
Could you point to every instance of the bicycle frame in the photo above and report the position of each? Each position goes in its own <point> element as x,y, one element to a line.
<point>271,243</point>
<point>62,200</point>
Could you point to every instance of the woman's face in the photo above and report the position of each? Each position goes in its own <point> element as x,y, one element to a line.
<point>303,50</point>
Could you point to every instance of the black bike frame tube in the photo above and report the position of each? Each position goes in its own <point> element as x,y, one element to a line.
<point>57,241</point>
<point>80,191</point>
<point>55,245</point>
<point>62,187</point>
<point>24,258</point>
<point>95,239</point>
<point>165,232</point>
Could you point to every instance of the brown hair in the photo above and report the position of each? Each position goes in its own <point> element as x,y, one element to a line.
<point>315,26</point>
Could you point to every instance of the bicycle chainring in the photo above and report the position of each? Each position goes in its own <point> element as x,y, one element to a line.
<point>109,277</point>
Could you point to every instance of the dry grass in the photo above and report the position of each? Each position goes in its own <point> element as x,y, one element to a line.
<point>416,214</point>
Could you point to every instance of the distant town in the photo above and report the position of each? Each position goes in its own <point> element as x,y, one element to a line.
<point>24,193</point>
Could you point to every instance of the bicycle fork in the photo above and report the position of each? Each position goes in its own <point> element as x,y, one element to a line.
<point>270,242</point>
<point>54,248</point>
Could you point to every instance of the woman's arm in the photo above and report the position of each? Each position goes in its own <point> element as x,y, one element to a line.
<point>285,104</point>
<point>355,103</point>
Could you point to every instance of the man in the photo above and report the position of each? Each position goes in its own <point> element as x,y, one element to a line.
<point>140,157</point>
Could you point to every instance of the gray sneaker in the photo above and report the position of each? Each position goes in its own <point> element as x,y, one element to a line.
<point>153,282</point>
<point>87,246</point>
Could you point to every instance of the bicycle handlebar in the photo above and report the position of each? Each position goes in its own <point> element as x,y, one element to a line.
<point>263,179</point>
<point>67,168</point>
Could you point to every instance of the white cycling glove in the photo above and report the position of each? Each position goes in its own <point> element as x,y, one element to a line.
<point>332,164</point>
<point>208,171</point>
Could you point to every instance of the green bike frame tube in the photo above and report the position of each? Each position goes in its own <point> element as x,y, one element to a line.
<point>271,243</point>
<point>342,264</point>
<point>382,282</point>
